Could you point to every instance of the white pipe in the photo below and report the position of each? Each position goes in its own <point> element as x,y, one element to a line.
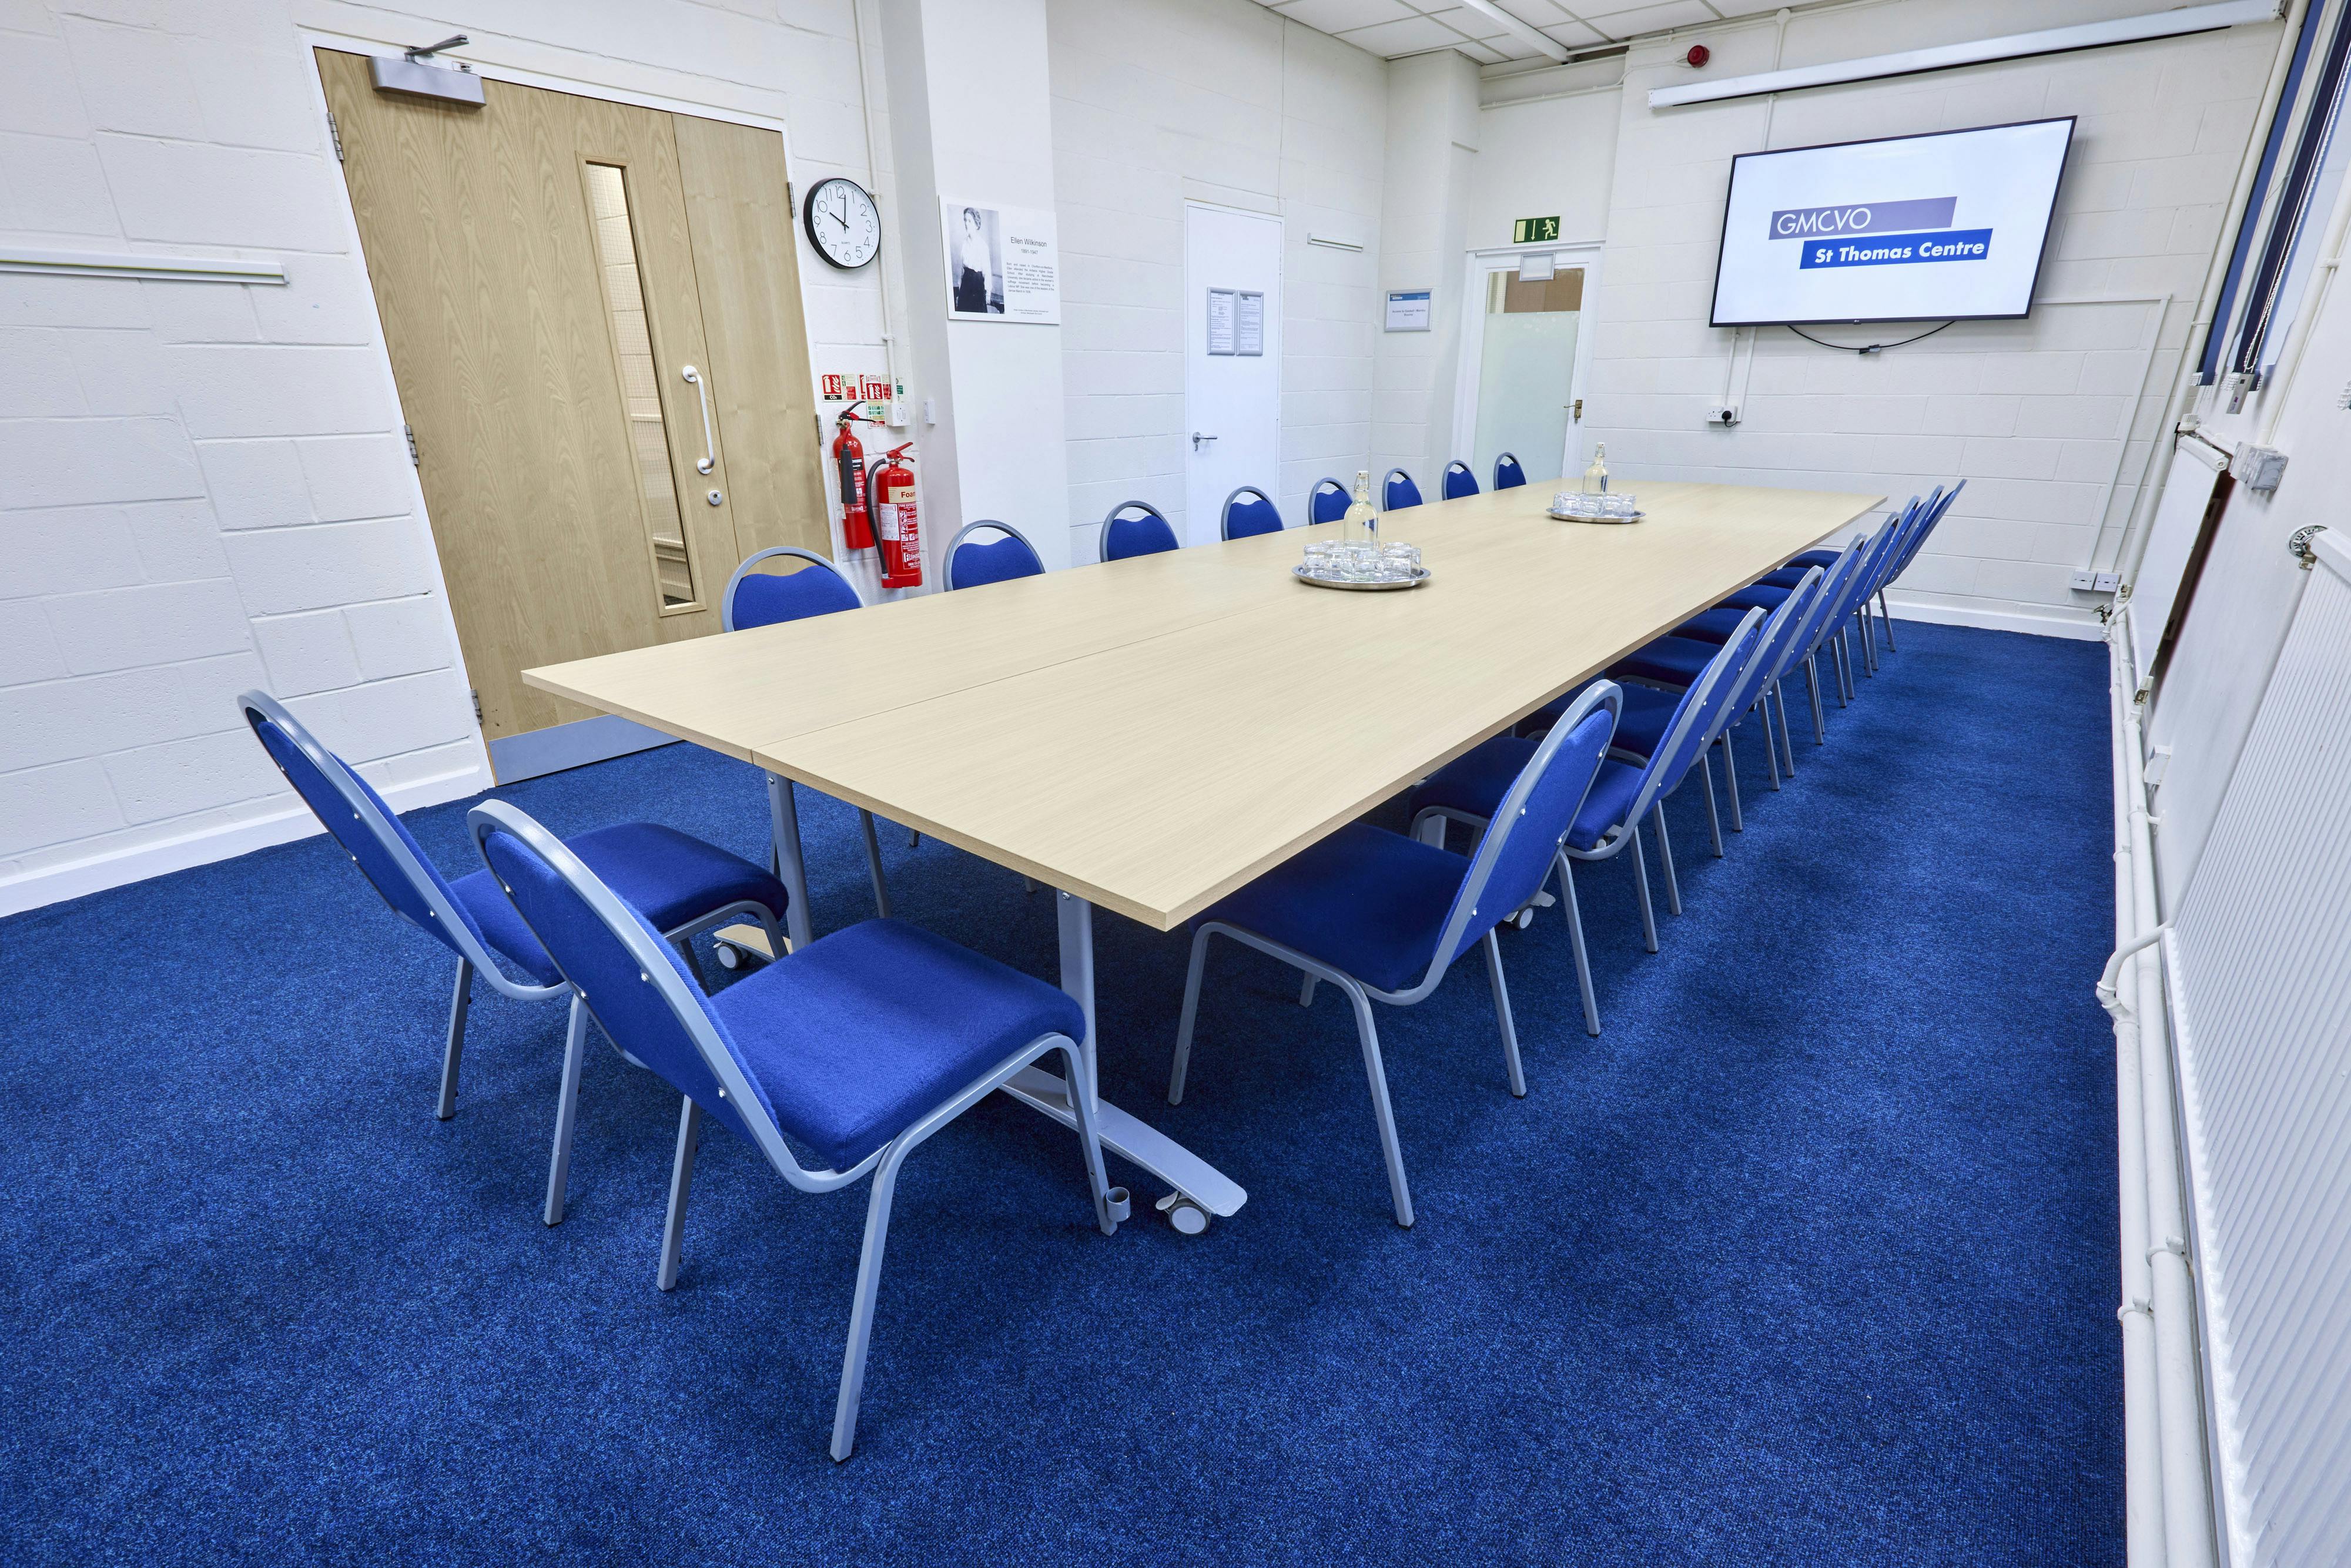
<point>2185,1495</point>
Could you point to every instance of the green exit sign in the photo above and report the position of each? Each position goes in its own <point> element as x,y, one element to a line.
<point>1534,231</point>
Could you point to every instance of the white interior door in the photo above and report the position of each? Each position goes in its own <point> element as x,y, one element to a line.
<point>1232,361</point>
<point>1524,353</point>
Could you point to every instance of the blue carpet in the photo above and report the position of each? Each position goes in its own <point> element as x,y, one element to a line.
<point>1809,1260</point>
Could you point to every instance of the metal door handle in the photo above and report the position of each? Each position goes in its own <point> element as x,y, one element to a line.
<point>709,448</point>
<point>1197,438</point>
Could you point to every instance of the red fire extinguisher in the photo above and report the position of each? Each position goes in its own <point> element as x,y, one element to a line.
<point>895,520</point>
<point>848,462</point>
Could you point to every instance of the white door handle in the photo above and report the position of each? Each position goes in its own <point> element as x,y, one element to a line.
<point>709,448</point>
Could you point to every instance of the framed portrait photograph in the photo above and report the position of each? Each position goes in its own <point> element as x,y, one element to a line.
<point>1003,263</point>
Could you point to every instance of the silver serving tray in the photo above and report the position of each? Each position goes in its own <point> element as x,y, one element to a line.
<point>1572,517</point>
<point>1419,576</point>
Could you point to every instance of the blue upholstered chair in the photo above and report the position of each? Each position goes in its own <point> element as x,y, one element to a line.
<point>1457,481</point>
<point>1399,490</point>
<point>1905,553</point>
<point>858,1047</point>
<point>973,562</point>
<point>684,886</point>
<point>1249,511</point>
<point>1507,474</point>
<point>1327,502</point>
<point>1136,528</point>
<point>1473,789</point>
<point>1382,916</point>
<point>765,599</point>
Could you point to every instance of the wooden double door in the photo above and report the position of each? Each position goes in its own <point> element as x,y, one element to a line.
<point>547,268</point>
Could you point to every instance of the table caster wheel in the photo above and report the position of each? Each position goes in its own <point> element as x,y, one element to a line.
<point>1525,918</point>
<point>730,956</point>
<point>1188,1218</point>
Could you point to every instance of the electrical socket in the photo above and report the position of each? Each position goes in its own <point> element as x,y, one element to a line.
<point>1725,415</point>
<point>2087,582</point>
<point>2109,582</point>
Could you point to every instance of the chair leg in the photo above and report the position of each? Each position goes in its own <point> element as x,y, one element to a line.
<point>1843,662</point>
<point>1730,784</point>
<point>1713,813</point>
<point>684,946</point>
<point>1028,885</point>
<point>860,1311</point>
<point>1191,1011</point>
<point>681,1177</point>
<point>913,837</point>
<point>1885,619</point>
<point>1377,1074</point>
<point>1787,735</point>
<point>1770,750</point>
<point>1502,1015</point>
<point>1813,689</point>
<point>461,1001</point>
<point>1641,885</point>
<point>1576,940</point>
<point>1306,991</point>
<point>567,1109</point>
<point>874,865</point>
<point>1666,856</point>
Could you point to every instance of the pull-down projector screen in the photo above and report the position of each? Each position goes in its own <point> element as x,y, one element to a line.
<point>1913,228</point>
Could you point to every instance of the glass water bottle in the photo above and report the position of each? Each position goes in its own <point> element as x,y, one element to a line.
<point>1596,478</point>
<point>1361,525</point>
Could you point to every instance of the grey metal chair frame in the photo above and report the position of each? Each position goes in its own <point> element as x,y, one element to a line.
<point>474,958</point>
<point>1649,801</point>
<point>864,816</point>
<point>964,532</point>
<point>1225,512</point>
<point>884,1164</point>
<point>1361,996</point>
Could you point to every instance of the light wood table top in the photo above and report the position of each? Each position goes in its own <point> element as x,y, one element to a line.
<point>1152,734</point>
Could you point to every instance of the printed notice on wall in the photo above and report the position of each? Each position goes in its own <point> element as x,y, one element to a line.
<point>1221,321</point>
<point>1248,322</point>
<point>1004,263</point>
<point>1408,311</point>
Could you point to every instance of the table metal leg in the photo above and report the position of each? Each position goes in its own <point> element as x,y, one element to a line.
<point>1128,1137</point>
<point>790,868</point>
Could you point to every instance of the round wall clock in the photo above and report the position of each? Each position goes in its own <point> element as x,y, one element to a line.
<point>842,222</point>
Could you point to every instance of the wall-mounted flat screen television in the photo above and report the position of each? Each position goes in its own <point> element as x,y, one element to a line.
<point>1913,228</point>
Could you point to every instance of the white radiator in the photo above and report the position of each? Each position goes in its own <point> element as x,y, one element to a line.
<point>2258,968</point>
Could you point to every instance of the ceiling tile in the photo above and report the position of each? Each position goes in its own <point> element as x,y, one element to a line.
<point>1494,56</point>
<point>1629,21</point>
<point>1576,35</point>
<point>1540,13</point>
<point>1337,16</point>
<point>1406,38</point>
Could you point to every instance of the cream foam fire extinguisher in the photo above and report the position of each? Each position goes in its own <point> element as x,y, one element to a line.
<point>900,540</point>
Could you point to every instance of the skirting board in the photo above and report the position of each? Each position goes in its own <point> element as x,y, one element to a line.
<point>137,863</point>
<point>2032,623</point>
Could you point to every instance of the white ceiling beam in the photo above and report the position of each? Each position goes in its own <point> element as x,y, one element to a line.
<point>1518,30</point>
<point>2016,46</point>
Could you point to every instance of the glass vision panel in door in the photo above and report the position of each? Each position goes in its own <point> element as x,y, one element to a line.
<point>624,299</point>
<point>1526,372</point>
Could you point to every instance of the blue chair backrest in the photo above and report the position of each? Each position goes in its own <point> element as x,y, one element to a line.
<point>620,979</point>
<point>1771,643</point>
<point>1708,701</point>
<point>378,841</point>
<point>1927,524</point>
<point>1400,490</point>
<point>1457,481</point>
<point>1515,855</point>
<point>1327,503</point>
<point>1816,621</point>
<point>971,564</point>
<point>1145,533</point>
<point>1507,474</point>
<point>765,599</point>
<point>1249,511</point>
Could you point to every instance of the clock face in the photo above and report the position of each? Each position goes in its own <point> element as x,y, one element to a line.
<point>842,222</point>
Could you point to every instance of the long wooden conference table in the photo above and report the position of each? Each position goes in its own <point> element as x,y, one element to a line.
<point>1146,735</point>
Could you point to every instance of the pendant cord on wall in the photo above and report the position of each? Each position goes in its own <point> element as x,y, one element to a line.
<point>1867,348</point>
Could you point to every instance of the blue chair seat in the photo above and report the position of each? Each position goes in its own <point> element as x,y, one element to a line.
<point>1820,558</point>
<point>1641,723</point>
<point>1475,782</point>
<point>1762,596</point>
<point>1718,625</point>
<point>670,877</point>
<point>1364,900</point>
<point>856,1036</point>
<point>1786,577</point>
<point>1669,661</point>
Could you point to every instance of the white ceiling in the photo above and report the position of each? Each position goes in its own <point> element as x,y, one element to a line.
<point>1393,28</point>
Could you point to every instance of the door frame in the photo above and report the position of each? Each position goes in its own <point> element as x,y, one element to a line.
<point>1278,316</point>
<point>1584,254</point>
<point>556,746</point>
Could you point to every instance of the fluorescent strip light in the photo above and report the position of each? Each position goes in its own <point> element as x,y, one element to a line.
<point>2015,47</point>
<point>1327,243</point>
<point>1518,30</point>
<point>159,269</point>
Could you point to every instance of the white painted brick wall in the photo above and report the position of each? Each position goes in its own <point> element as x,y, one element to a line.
<point>1156,101</point>
<point>2035,414</point>
<point>204,486</point>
